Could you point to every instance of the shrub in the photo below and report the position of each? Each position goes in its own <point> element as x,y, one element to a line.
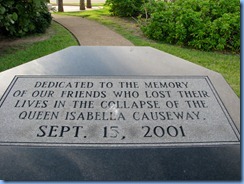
<point>125,8</point>
<point>18,18</point>
<point>205,24</point>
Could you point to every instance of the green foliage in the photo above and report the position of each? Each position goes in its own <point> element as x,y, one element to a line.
<point>125,8</point>
<point>206,24</point>
<point>18,18</point>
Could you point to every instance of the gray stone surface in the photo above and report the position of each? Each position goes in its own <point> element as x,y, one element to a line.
<point>115,111</point>
<point>173,162</point>
<point>122,60</point>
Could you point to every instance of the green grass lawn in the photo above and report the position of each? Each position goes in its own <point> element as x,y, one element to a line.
<point>57,38</point>
<point>226,64</point>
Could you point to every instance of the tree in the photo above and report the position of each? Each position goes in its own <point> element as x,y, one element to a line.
<point>88,4</point>
<point>82,5</point>
<point>60,6</point>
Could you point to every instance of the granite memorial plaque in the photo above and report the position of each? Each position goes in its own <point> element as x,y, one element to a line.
<point>117,114</point>
<point>114,111</point>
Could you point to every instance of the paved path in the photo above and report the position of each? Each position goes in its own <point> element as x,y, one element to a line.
<point>90,33</point>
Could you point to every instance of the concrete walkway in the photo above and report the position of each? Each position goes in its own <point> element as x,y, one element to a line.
<point>90,33</point>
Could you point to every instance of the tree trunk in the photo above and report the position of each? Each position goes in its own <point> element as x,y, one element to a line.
<point>60,6</point>
<point>82,5</point>
<point>88,4</point>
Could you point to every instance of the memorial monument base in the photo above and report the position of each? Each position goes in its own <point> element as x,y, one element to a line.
<point>117,114</point>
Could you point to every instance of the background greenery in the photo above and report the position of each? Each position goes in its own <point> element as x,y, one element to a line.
<point>125,8</point>
<point>210,25</point>
<point>226,63</point>
<point>205,25</point>
<point>19,18</point>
